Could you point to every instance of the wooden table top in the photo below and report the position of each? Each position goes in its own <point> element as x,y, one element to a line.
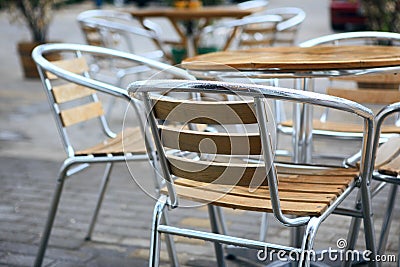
<point>231,11</point>
<point>298,58</point>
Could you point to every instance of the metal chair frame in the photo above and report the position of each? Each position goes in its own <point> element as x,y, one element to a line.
<point>77,162</point>
<point>394,181</point>
<point>144,89</point>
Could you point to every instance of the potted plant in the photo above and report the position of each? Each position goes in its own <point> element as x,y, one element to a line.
<point>36,15</point>
<point>382,15</point>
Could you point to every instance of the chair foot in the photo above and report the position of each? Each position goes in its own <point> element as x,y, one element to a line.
<point>154,259</point>
<point>52,214</point>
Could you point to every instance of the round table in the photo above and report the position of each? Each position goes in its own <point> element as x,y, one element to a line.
<point>191,17</point>
<point>296,62</point>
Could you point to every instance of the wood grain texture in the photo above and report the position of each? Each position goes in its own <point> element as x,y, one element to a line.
<point>212,143</point>
<point>70,91</point>
<point>235,112</point>
<point>128,141</point>
<point>75,65</point>
<point>298,58</point>
<point>301,196</point>
<point>81,113</point>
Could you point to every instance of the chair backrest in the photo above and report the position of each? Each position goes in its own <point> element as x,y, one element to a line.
<point>243,158</point>
<point>71,91</point>
<point>248,32</point>
<point>370,84</point>
<point>119,30</point>
<point>287,29</point>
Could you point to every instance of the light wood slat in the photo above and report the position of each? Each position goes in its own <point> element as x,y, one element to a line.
<point>392,168</point>
<point>372,96</point>
<point>75,65</point>
<point>236,112</point>
<point>70,91</point>
<point>316,179</point>
<point>212,143</point>
<point>260,192</point>
<point>312,187</point>
<point>252,204</point>
<point>343,127</point>
<point>372,78</point>
<point>81,113</point>
<point>311,170</point>
<point>222,173</point>
<point>128,141</point>
<point>387,151</point>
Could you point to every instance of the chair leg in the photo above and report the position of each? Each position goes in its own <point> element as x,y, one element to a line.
<point>387,220</point>
<point>52,214</point>
<point>154,259</point>
<point>368,224</point>
<point>263,227</point>
<point>103,187</point>
<point>308,242</point>
<point>215,229</point>
<point>221,220</point>
<point>169,240</point>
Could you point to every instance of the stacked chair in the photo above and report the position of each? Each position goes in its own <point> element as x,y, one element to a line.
<point>74,100</point>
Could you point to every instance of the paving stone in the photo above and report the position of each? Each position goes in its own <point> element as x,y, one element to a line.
<point>12,259</point>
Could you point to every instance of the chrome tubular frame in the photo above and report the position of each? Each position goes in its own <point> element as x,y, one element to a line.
<point>260,93</point>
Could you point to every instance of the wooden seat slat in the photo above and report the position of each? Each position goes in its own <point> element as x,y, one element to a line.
<point>126,141</point>
<point>251,204</point>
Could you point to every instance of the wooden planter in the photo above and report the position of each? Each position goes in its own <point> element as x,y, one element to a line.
<point>28,65</point>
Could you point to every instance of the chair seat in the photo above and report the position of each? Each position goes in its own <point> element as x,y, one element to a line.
<point>306,195</point>
<point>343,127</point>
<point>130,140</point>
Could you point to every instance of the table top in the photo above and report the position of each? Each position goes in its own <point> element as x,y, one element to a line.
<point>297,58</point>
<point>190,13</point>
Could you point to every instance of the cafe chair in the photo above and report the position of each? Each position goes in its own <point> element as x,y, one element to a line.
<point>249,31</point>
<point>238,170</point>
<point>286,30</point>
<point>120,31</point>
<point>387,170</point>
<point>75,101</point>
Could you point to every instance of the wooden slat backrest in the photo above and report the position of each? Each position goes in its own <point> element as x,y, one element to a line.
<point>81,113</point>
<point>211,144</point>
<point>70,91</point>
<point>208,113</point>
<point>65,91</point>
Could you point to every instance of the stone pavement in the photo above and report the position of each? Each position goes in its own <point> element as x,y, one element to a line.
<point>31,153</point>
